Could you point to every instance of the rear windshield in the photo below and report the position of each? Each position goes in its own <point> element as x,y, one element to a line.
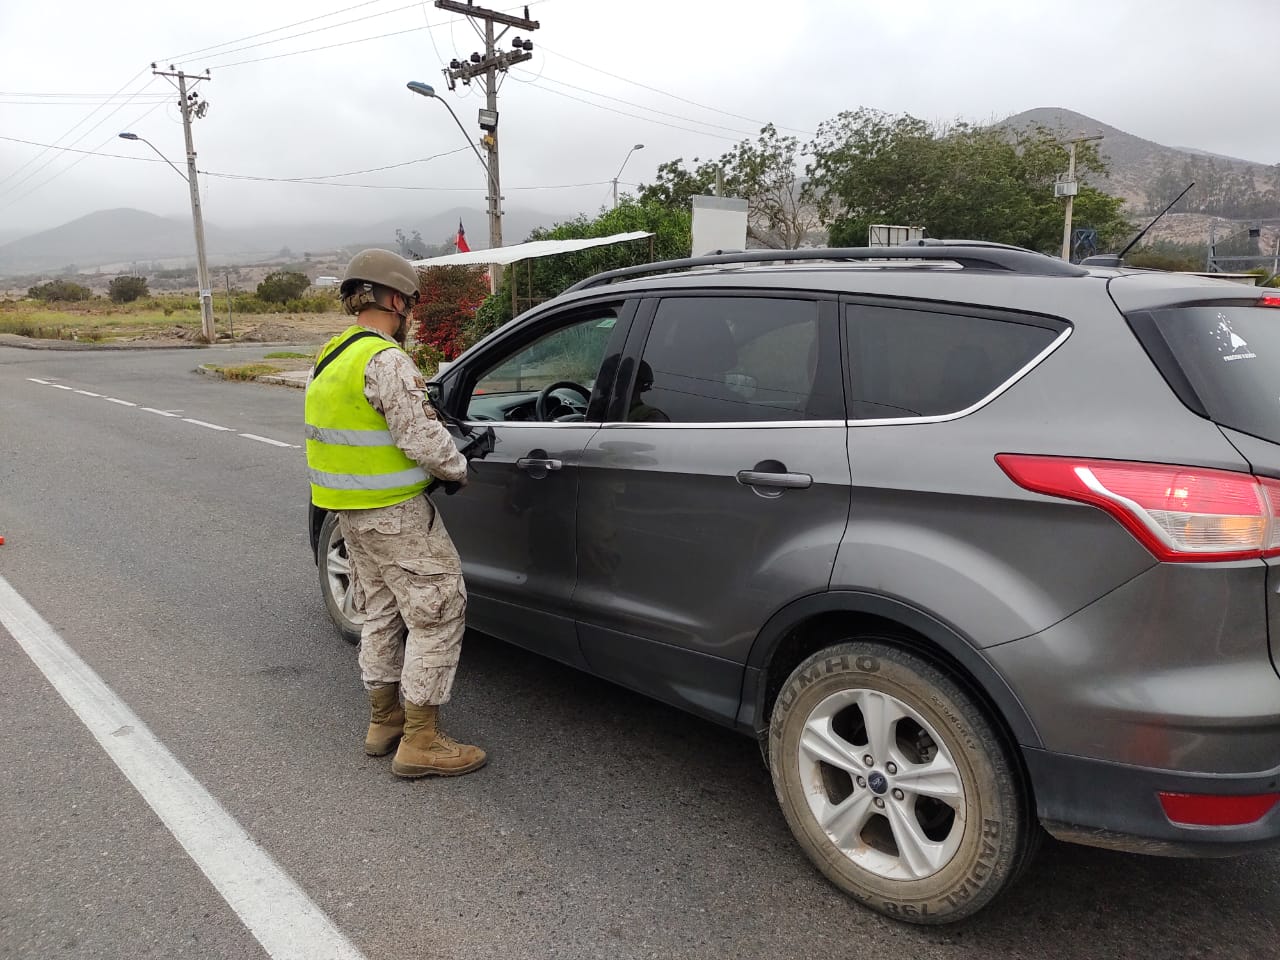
<point>1230,356</point>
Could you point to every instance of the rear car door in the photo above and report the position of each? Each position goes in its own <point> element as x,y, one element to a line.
<point>717,492</point>
<point>542,387</point>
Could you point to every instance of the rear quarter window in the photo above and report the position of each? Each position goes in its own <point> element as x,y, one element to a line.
<point>1223,361</point>
<point>908,362</point>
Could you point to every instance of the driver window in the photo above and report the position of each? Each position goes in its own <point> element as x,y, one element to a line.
<point>570,355</point>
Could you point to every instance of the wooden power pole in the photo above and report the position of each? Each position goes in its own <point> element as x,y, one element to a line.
<point>488,65</point>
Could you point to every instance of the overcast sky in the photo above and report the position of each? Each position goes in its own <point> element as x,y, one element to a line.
<point>1181,73</point>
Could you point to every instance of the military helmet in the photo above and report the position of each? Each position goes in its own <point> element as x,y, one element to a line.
<point>381,267</point>
<point>376,268</point>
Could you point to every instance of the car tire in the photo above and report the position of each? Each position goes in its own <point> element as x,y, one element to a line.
<point>336,584</point>
<point>935,827</point>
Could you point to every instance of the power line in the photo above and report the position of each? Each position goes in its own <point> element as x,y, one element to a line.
<point>67,103</point>
<point>5,179</point>
<point>307,33</point>
<point>278,56</point>
<point>392,186</point>
<point>92,153</point>
<point>80,96</point>
<point>641,106</point>
<point>80,159</point>
<point>331,46</point>
<point>320,180</point>
<point>634,116</point>
<point>673,96</point>
<point>10,189</point>
<point>352,173</point>
<point>254,36</point>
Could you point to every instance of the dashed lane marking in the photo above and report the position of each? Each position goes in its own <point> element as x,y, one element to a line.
<point>274,443</point>
<point>173,414</point>
<point>203,423</point>
<point>279,914</point>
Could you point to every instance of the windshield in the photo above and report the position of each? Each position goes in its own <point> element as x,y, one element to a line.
<point>1230,355</point>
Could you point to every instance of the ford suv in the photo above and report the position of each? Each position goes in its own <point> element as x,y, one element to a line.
<point>976,542</point>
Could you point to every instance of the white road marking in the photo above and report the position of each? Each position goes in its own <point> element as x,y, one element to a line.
<point>201,423</point>
<point>288,923</point>
<point>168,413</point>
<point>274,443</point>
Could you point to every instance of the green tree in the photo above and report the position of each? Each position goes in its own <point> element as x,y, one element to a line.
<point>127,289</point>
<point>961,181</point>
<point>282,286</point>
<point>763,171</point>
<point>59,290</point>
<point>545,277</point>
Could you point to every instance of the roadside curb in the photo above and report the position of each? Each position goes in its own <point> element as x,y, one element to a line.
<point>30,343</point>
<point>298,380</point>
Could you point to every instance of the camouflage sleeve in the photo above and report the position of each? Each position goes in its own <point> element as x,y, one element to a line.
<point>395,387</point>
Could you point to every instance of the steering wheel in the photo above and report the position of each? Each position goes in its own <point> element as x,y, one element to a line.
<point>543,406</point>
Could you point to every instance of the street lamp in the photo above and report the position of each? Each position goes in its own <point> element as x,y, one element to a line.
<point>197,220</point>
<point>495,209</point>
<point>638,146</point>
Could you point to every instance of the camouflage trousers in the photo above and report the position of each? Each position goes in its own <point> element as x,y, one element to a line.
<point>409,585</point>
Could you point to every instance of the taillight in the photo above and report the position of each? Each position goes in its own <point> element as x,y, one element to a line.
<point>1180,514</point>
<point>1268,300</point>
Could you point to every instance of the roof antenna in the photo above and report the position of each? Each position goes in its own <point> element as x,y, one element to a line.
<point>1117,259</point>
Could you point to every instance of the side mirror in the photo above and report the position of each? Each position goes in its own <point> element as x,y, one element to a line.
<point>434,393</point>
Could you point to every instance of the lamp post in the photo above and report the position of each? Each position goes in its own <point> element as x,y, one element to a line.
<point>638,146</point>
<point>491,178</point>
<point>197,220</point>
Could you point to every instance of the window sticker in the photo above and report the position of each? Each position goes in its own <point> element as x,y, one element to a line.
<point>1230,344</point>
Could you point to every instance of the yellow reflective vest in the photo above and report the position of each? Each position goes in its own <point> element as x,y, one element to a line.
<point>352,461</point>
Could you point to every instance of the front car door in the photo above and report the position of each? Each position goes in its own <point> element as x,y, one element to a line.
<point>543,388</point>
<point>718,492</point>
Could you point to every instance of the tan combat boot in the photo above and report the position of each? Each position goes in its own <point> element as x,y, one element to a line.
<point>427,750</point>
<point>386,720</point>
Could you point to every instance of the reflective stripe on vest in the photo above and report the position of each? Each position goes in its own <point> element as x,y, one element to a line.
<point>352,460</point>
<point>350,438</point>
<point>372,481</point>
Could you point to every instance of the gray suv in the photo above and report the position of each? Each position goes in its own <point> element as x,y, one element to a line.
<point>974,541</point>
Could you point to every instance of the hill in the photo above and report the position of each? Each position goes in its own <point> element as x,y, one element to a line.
<point>1149,175</point>
<point>107,238</point>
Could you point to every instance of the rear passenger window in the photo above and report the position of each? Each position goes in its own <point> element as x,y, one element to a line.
<point>735,359</point>
<point>922,363</point>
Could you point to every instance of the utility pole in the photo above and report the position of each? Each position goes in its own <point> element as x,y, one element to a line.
<point>193,106</point>
<point>1071,193</point>
<point>488,65</point>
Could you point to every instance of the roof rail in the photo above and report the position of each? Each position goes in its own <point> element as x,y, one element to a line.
<point>970,254</point>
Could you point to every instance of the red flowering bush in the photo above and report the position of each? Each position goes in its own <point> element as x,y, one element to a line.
<point>450,297</point>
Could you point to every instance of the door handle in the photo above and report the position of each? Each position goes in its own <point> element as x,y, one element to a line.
<point>539,464</point>
<point>780,481</point>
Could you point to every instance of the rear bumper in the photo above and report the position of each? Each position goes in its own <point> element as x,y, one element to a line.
<point>1117,806</point>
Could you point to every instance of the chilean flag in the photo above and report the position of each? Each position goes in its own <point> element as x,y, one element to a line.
<point>461,241</point>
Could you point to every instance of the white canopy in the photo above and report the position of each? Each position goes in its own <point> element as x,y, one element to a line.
<point>527,251</point>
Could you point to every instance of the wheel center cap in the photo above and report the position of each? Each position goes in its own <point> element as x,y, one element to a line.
<point>877,782</point>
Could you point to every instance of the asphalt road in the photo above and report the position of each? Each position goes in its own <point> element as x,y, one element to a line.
<point>173,559</point>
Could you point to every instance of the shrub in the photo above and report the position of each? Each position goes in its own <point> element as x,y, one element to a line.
<point>127,289</point>
<point>282,286</point>
<point>60,290</point>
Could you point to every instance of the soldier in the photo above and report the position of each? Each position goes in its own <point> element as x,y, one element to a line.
<point>374,445</point>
